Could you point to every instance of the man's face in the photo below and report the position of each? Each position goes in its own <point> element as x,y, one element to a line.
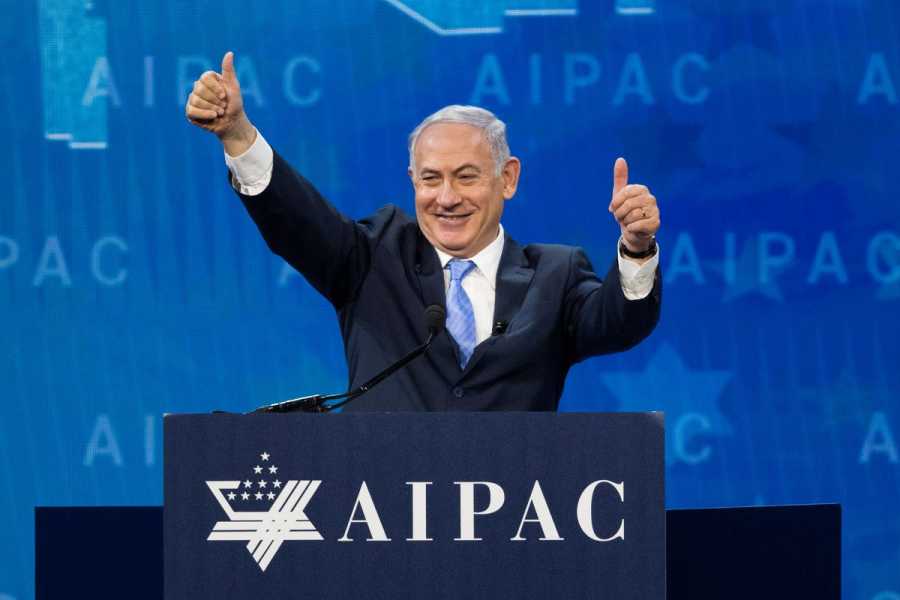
<point>459,197</point>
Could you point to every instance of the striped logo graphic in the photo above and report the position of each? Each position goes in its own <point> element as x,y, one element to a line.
<point>276,516</point>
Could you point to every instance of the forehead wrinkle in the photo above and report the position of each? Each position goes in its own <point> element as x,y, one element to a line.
<point>442,146</point>
<point>452,161</point>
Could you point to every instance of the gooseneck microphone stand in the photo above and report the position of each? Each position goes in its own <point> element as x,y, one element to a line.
<point>435,319</point>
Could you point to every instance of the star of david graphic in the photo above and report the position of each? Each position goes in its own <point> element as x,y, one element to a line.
<point>264,512</point>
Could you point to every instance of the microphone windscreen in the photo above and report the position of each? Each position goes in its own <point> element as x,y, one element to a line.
<point>435,318</point>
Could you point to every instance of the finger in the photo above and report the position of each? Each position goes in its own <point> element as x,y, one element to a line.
<point>644,227</point>
<point>207,125</point>
<point>201,103</point>
<point>200,114</point>
<point>211,80</point>
<point>228,73</point>
<point>641,201</point>
<point>620,177</point>
<point>201,90</point>
<point>629,191</point>
<point>637,214</point>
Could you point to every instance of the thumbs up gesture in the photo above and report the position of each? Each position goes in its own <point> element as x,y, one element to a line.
<point>634,208</point>
<point>216,105</point>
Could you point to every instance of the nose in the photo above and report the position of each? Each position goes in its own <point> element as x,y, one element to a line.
<point>447,197</point>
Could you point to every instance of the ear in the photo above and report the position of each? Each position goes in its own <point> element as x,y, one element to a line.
<point>412,176</point>
<point>511,171</point>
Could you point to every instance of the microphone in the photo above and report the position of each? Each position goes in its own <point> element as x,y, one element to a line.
<point>435,321</point>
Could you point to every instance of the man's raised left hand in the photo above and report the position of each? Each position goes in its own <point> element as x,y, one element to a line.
<point>635,209</point>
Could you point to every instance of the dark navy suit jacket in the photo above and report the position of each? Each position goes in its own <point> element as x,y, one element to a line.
<point>380,273</point>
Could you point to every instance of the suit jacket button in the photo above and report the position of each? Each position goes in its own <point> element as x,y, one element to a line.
<point>459,392</point>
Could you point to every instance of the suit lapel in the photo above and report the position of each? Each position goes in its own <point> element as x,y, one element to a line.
<point>429,274</point>
<point>514,276</point>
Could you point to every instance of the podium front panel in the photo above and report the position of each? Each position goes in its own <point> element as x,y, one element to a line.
<point>413,505</point>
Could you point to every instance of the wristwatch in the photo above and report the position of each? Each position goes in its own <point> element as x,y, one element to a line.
<point>650,251</point>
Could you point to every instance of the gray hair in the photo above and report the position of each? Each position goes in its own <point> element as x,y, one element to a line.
<point>493,129</point>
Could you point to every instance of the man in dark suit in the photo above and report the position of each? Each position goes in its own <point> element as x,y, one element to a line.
<point>518,316</point>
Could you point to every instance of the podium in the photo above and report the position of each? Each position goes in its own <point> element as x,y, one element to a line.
<point>474,505</point>
<point>415,505</point>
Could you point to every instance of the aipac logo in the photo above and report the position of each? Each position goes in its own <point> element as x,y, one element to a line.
<point>270,512</point>
<point>265,513</point>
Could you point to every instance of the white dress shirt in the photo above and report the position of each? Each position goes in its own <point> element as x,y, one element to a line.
<point>480,284</point>
<point>252,171</point>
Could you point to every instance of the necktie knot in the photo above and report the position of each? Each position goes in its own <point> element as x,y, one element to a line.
<point>459,268</point>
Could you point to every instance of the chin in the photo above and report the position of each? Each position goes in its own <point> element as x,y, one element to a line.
<point>453,248</point>
<point>453,243</point>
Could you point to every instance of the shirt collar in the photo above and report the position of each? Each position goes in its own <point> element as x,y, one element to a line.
<point>487,261</point>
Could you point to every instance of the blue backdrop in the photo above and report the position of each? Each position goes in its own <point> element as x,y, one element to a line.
<point>132,283</point>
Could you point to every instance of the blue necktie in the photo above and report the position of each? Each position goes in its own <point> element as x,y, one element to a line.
<point>460,317</point>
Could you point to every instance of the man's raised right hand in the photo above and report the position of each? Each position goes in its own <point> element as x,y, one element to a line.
<point>216,105</point>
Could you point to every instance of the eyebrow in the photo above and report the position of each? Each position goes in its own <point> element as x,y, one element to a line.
<point>432,171</point>
<point>458,170</point>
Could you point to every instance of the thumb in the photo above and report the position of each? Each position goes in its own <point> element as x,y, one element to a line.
<point>228,73</point>
<point>620,175</point>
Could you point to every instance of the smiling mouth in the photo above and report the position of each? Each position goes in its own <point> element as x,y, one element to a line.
<point>452,218</point>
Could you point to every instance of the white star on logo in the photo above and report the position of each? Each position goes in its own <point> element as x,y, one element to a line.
<point>273,469</point>
<point>262,483</point>
<point>248,483</point>
<point>264,456</point>
<point>232,496</point>
<point>259,495</point>
<point>270,495</point>
<point>257,469</point>
<point>245,496</point>
<point>276,483</point>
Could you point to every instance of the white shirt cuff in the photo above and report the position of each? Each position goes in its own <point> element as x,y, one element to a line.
<point>251,171</point>
<point>637,279</point>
